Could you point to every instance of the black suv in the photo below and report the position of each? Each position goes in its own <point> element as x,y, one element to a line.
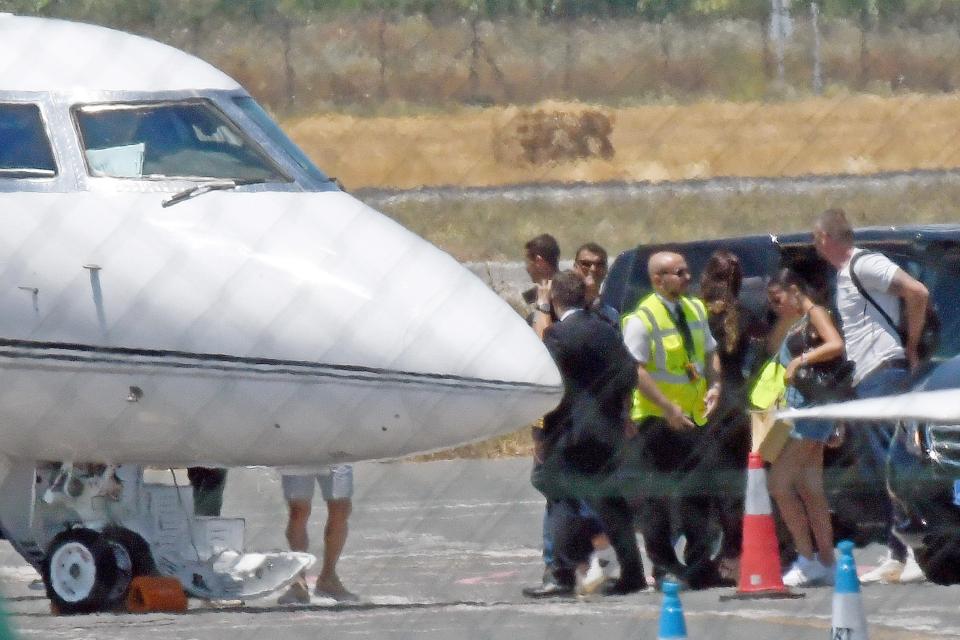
<point>923,475</point>
<point>853,473</point>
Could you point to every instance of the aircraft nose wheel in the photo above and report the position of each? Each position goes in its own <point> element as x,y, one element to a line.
<point>81,571</point>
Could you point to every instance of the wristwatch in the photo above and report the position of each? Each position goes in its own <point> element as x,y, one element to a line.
<point>543,308</point>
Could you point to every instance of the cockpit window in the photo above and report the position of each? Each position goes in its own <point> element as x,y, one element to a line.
<point>25,150</point>
<point>276,134</point>
<point>169,140</point>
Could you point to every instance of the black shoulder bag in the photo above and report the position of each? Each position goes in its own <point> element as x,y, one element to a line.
<point>822,382</point>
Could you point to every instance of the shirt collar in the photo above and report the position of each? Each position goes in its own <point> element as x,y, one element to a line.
<point>568,313</point>
<point>671,306</point>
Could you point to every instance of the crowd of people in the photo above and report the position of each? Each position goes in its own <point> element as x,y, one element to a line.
<point>653,431</point>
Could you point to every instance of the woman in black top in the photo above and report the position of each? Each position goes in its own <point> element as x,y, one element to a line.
<point>739,335</point>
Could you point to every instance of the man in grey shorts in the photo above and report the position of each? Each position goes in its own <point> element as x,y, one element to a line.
<point>336,486</point>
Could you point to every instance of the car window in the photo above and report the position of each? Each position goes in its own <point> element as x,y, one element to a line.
<point>25,150</point>
<point>187,139</point>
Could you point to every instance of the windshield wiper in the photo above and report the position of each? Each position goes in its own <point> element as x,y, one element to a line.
<point>26,172</point>
<point>206,187</point>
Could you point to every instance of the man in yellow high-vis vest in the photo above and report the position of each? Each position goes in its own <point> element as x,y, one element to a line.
<point>669,337</point>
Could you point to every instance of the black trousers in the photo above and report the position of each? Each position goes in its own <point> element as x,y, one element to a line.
<point>208,484</point>
<point>678,498</point>
<point>725,458</point>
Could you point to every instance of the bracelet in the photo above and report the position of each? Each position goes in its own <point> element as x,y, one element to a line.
<point>803,358</point>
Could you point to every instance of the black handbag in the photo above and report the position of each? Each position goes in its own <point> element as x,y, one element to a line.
<point>826,381</point>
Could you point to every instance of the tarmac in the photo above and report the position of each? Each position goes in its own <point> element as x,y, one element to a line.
<point>442,550</point>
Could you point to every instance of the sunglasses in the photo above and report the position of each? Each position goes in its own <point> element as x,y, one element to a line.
<point>587,264</point>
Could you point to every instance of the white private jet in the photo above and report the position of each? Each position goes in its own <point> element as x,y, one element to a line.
<point>180,286</point>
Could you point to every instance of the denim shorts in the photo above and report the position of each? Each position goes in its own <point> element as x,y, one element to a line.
<point>335,484</point>
<point>809,428</point>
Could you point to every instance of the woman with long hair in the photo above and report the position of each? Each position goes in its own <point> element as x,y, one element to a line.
<point>796,477</point>
<point>739,334</point>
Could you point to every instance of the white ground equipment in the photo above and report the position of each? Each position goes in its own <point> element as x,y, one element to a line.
<point>91,529</point>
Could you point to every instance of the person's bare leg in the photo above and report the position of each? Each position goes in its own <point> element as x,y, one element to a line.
<point>784,477</point>
<point>297,517</point>
<point>600,541</point>
<point>814,500</point>
<point>334,539</point>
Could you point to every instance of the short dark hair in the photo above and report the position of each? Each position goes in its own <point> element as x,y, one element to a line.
<point>568,290</point>
<point>545,246</point>
<point>593,248</point>
<point>834,223</point>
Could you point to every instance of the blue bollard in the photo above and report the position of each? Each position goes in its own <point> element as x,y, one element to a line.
<point>849,620</point>
<point>672,625</point>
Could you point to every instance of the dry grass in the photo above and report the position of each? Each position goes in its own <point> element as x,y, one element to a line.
<point>516,444</point>
<point>855,134</point>
<point>491,229</point>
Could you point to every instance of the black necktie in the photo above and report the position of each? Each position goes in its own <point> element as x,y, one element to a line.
<point>684,329</point>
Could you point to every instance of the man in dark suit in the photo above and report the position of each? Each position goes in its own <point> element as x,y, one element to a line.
<point>583,438</point>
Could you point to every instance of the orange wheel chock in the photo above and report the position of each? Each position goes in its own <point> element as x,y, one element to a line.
<point>156,593</point>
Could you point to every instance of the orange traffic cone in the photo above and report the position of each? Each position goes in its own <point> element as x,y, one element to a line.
<point>760,558</point>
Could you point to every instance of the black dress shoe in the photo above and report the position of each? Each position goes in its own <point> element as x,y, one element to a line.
<point>708,580</point>
<point>549,589</point>
<point>625,585</point>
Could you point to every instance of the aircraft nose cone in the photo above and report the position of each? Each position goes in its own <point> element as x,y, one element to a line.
<point>432,316</point>
<point>457,360</point>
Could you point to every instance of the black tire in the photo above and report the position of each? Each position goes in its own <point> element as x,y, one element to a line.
<point>79,572</point>
<point>940,559</point>
<point>133,559</point>
<point>141,559</point>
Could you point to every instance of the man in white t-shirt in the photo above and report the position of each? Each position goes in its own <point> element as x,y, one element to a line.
<point>883,363</point>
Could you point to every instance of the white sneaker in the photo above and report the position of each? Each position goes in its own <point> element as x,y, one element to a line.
<point>912,573</point>
<point>603,567</point>
<point>806,573</point>
<point>296,594</point>
<point>888,572</point>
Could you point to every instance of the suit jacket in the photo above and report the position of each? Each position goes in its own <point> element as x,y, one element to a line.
<point>585,432</point>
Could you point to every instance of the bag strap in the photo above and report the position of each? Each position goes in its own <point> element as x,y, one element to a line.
<point>867,297</point>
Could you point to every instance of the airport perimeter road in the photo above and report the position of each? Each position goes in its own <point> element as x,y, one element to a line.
<point>441,550</point>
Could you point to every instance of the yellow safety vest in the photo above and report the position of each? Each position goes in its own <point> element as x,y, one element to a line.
<point>668,359</point>
<point>769,385</point>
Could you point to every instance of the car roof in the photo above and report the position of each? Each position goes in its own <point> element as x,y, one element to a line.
<point>863,234</point>
<point>760,255</point>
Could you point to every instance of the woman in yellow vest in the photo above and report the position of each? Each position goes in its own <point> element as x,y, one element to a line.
<point>796,477</point>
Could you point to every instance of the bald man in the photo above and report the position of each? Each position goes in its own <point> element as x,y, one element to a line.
<point>670,339</point>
